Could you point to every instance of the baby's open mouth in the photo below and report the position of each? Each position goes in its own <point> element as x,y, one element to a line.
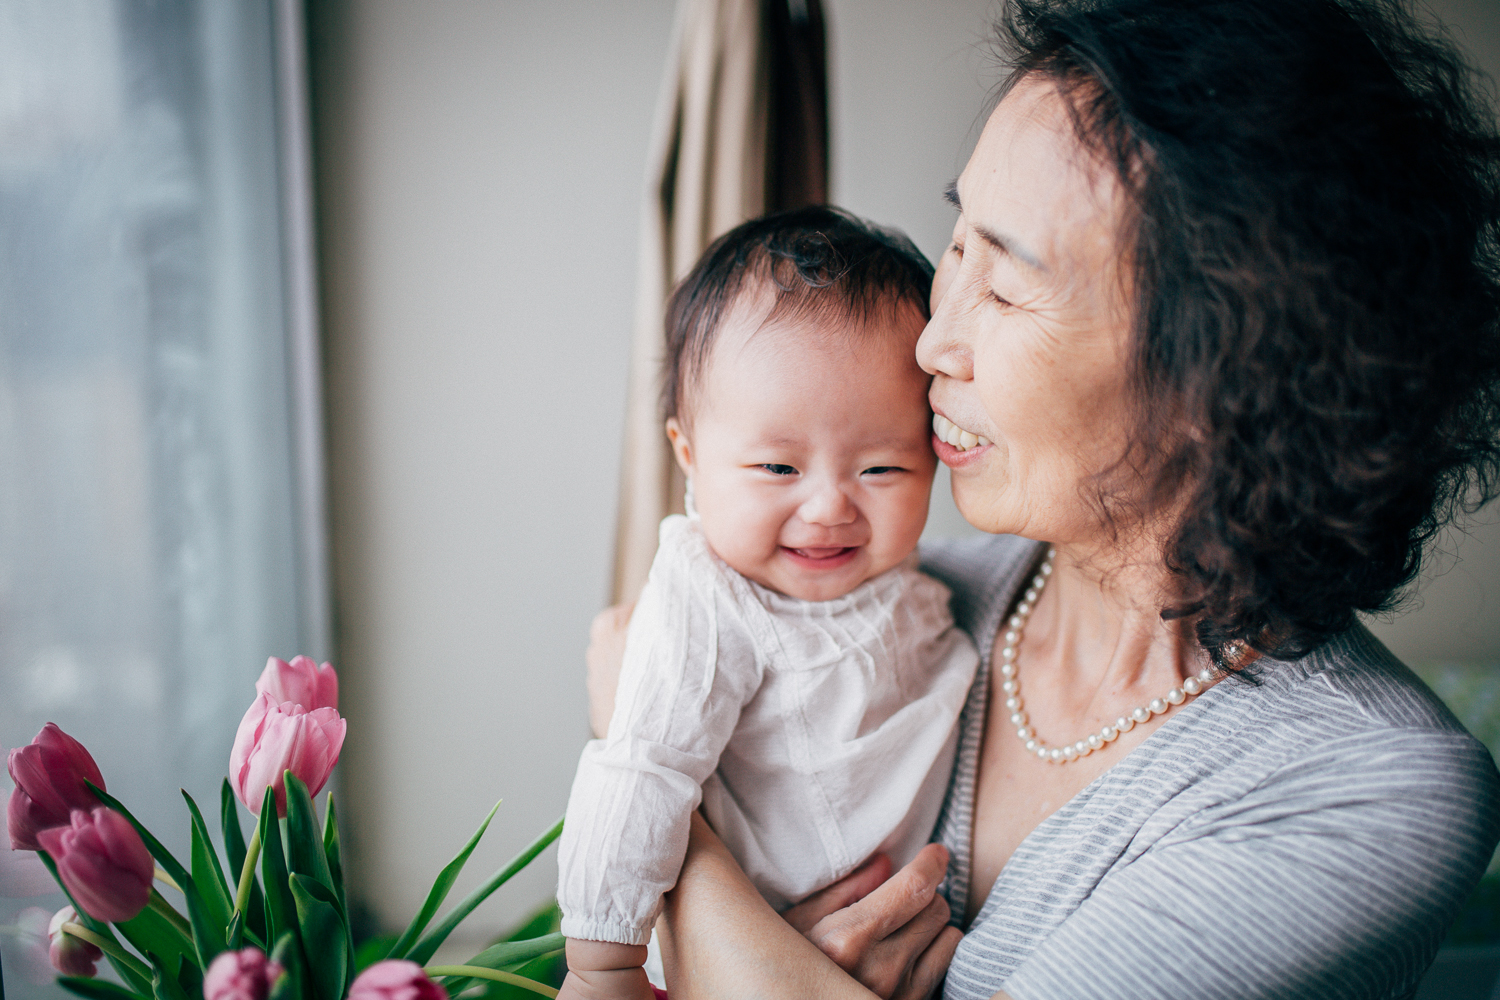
<point>947,430</point>
<point>823,553</point>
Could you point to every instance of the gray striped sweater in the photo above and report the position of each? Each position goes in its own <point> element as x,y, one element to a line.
<point>1310,835</point>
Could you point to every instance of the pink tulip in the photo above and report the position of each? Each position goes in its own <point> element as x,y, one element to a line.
<point>49,776</point>
<point>103,863</point>
<point>274,739</point>
<point>395,979</point>
<point>240,975</point>
<point>301,682</point>
<point>70,955</point>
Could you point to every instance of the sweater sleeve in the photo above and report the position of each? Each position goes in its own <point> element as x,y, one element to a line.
<point>1334,877</point>
<point>690,667</point>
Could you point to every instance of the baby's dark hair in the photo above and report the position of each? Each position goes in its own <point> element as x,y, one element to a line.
<point>823,262</point>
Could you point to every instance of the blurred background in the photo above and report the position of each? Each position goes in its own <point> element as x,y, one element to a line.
<point>315,325</point>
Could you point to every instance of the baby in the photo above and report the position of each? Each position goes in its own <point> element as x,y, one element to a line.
<point>787,666</point>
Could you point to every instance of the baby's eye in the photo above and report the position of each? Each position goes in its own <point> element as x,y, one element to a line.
<point>881,470</point>
<point>779,470</point>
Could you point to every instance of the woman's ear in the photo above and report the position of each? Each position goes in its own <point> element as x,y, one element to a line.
<point>681,446</point>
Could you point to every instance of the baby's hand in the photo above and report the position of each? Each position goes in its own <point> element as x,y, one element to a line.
<point>600,970</point>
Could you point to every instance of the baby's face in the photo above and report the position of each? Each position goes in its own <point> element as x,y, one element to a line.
<point>810,452</point>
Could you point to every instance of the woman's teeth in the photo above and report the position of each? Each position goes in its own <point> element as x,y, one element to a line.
<point>948,431</point>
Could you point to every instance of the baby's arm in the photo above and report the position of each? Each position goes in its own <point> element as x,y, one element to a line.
<point>601,970</point>
<point>690,667</point>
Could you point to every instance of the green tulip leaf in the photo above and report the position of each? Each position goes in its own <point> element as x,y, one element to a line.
<point>303,841</point>
<point>149,932</point>
<point>136,975</point>
<point>281,910</point>
<point>333,852</point>
<point>439,892</point>
<point>430,944</point>
<point>208,876</point>
<point>164,984</point>
<point>288,955</point>
<point>97,989</point>
<point>508,953</point>
<point>324,934</point>
<point>235,932</point>
<point>372,950</point>
<point>234,848</point>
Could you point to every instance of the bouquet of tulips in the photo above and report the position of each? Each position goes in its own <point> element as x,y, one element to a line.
<point>283,935</point>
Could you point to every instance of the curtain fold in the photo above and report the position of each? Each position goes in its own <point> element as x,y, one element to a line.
<point>741,129</point>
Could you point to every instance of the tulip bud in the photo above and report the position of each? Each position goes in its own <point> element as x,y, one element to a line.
<point>274,739</point>
<point>240,975</point>
<point>49,776</point>
<point>70,955</point>
<point>301,682</point>
<point>103,863</point>
<point>395,979</point>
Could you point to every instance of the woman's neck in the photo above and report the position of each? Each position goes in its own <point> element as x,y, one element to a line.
<point>1100,631</point>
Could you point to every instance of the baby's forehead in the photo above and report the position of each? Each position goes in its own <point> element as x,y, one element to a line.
<point>764,318</point>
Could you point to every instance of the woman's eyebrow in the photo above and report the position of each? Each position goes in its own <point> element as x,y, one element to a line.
<point>1003,244</point>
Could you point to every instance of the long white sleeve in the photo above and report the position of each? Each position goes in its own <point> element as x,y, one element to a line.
<point>690,666</point>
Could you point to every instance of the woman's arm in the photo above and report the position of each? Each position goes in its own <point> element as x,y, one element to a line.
<point>720,939</point>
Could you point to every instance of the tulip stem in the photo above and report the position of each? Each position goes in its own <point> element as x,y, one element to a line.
<point>247,872</point>
<point>166,879</point>
<point>167,910</point>
<point>494,975</point>
<point>109,948</point>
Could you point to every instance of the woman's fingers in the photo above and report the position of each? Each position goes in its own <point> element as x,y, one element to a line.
<point>899,899</point>
<point>880,939</point>
<point>928,972</point>
<point>845,892</point>
<point>605,655</point>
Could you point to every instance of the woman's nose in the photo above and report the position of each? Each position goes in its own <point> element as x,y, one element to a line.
<point>828,507</point>
<point>943,349</point>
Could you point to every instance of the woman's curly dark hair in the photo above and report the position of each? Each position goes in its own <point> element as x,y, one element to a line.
<point>1313,195</point>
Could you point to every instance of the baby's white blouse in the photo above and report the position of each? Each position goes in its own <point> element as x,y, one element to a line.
<point>813,733</point>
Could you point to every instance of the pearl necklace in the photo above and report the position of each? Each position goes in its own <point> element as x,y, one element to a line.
<point>1094,741</point>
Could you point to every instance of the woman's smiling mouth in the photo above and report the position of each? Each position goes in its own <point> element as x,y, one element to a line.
<point>950,433</point>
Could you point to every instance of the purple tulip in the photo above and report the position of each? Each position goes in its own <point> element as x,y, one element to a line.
<point>240,975</point>
<point>276,738</point>
<point>301,682</point>
<point>395,979</point>
<point>49,776</point>
<point>70,955</point>
<point>103,863</point>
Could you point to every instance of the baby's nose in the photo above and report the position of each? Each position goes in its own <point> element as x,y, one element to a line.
<point>828,506</point>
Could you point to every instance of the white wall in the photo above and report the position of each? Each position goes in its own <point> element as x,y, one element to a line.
<point>480,165</point>
<point>479,170</point>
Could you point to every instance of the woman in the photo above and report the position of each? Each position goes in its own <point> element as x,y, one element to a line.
<point>1223,296</point>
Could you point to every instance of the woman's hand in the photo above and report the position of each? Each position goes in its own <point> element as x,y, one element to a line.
<point>605,655</point>
<point>888,932</point>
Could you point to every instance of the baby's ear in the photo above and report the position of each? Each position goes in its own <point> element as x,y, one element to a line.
<point>681,446</point>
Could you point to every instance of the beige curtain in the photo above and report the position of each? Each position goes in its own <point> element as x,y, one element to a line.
<point>741,130</point>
